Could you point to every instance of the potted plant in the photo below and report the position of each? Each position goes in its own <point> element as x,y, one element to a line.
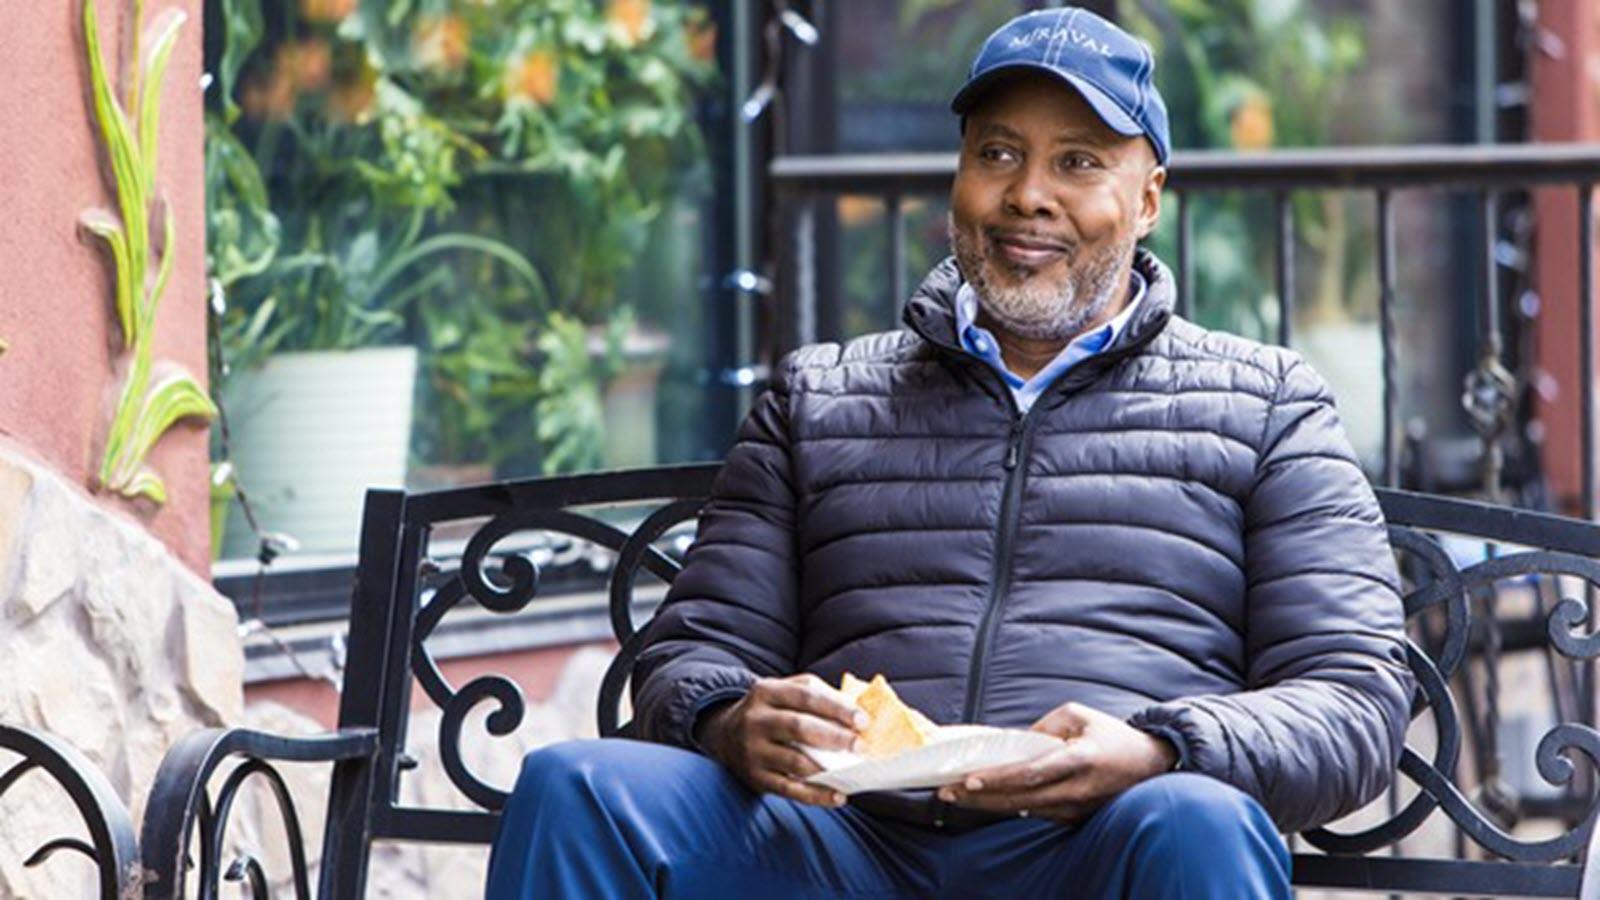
<point>316,276</point>
<point>585,111</point>
<point>465,180</point>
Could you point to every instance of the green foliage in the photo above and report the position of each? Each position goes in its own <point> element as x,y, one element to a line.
<point>1215,54</point>
<point>570,409</point>
<point>481,384</point>
<point>241,22</point>
<point>401,135</point>
<point>1245,74</point>
<point>921,68</point>
<point>242,233</point>
<point>154,396</point>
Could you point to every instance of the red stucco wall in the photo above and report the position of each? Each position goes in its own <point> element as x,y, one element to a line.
<point>56,313</point>
<point>1565,107</point>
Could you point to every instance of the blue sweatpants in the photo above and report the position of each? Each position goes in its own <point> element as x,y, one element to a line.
<point>623,819</point>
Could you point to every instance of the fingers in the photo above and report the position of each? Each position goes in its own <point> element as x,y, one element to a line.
<point>810,694</point>
<point>775,783</point>
<point>774,768</point>
<point>782,726</point>
<point>1049,768</point>
<point>1065,721</point>
<point>781,770</point>
<point>786,761</point>
<point>1049,780</point>
<point>804,710</point>
<point>775,715</point>
<point>1050,796</point>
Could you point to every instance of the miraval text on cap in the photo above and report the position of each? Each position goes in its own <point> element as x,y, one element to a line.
<point>1113,70</point>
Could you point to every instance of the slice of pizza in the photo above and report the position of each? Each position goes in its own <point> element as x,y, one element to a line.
<point>894,727</point>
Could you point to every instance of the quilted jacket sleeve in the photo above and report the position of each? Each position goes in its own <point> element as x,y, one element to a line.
<point>731,615</point>
<point>1319,730</point>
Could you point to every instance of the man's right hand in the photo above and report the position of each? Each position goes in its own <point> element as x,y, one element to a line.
<point>757,736</point>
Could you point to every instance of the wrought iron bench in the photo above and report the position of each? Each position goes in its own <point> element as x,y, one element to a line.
<point>29,754</point>
<point>404,587</point>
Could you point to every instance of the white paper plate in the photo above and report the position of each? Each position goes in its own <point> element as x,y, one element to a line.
<point>951,754</point>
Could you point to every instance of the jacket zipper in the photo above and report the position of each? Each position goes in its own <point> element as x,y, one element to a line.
<point>1018,444</point>
<point>1017,447</point>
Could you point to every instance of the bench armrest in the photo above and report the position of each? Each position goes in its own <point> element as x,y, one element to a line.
<point>180,797</point>
<point>111,842</point>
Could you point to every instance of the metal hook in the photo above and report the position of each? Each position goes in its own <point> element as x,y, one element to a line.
<point>801,27</point>
<point>747,281</point>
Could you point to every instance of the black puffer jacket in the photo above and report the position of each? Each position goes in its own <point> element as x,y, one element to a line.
<point>1177,533</point>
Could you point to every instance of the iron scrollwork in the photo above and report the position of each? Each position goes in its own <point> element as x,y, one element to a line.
<point>507,579</point>
<point>1555,757</point>
<point>506,583</point>
<point>182,803</point>
<point>111,846</point>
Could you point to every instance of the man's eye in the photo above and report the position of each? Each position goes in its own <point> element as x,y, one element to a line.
<point>996,154</point>
<point>1079,161</point>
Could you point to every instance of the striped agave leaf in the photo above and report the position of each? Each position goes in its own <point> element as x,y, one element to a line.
<point>145,410</point>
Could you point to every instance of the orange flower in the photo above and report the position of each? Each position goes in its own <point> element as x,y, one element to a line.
<point>855,210</point>
<point>323,11</point>
<point>1250,126</point>
<point>440,42</point>
<point>701,36</point>
<point>270,97</point>
<point>352,101</point>
<point>533,77</point>
<point>308,62</point>
<point>631,18</point>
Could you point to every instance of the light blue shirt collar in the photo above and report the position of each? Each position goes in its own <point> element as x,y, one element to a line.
<point>980,342</point>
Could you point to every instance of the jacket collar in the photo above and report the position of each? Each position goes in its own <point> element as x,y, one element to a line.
<point>931,310</point>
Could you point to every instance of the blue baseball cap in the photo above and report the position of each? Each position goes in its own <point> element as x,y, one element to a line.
<point>1113,70</point>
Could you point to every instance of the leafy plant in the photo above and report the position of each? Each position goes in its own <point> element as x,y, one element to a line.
<point>351,227</point>
<point>480,385</point>
<point>242,232</point>
<point>1249,75</point>
<point>920,69</point>
<point>571,408</point>
<point>448,173</point>
<point>154,396</point>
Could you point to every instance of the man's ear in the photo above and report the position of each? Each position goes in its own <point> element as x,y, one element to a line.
<point>1150,200</point>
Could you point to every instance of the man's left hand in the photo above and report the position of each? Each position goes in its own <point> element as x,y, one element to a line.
<point>1100,756</point>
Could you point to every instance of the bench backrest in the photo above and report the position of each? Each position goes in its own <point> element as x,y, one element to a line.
<point>404,588</point>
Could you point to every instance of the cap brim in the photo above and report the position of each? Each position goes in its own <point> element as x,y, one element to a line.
<point>1115,117</point>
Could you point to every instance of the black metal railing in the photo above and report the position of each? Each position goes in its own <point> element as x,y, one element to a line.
<point>1489,170</point>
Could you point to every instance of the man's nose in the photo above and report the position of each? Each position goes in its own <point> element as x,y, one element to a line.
<point>1030,194</point>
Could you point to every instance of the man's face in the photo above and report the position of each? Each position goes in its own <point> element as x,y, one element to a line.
<point>1047,205</point>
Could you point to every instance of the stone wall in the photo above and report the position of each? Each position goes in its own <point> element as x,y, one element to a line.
<point>110,643</point>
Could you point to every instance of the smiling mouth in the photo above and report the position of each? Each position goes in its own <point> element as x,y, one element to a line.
<point>1028,250</point>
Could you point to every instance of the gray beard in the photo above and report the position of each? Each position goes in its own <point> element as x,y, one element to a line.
<point>1038,309</point>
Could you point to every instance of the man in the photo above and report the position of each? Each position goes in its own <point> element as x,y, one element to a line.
<point>1047,503</point>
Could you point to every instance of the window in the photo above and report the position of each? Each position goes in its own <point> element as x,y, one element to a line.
<point>456,241</point>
